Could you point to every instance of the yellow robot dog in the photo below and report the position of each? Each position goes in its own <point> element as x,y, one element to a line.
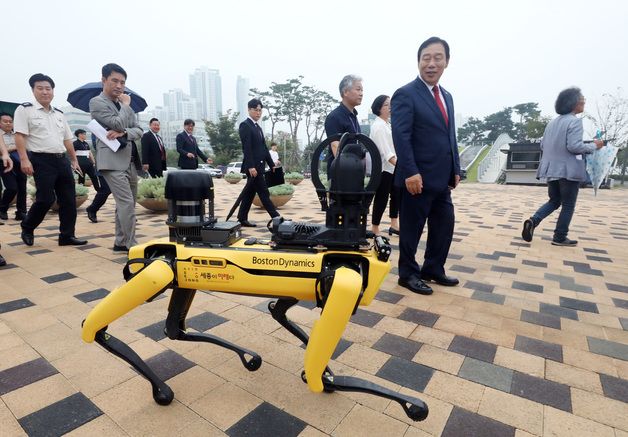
<point>334,265</point>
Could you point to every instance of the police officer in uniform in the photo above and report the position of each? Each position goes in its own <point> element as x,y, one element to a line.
<point>85,158</point>
<point>41,130</point>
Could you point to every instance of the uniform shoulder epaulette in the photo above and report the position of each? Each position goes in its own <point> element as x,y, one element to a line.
<point>27,104</point>
<point>57,109</point>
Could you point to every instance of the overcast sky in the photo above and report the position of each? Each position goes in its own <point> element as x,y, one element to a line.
<point>502,52</point>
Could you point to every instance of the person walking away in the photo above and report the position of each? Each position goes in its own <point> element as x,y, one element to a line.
<point>562,166</point>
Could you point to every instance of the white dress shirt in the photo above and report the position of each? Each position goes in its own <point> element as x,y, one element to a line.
<point>381,134</point>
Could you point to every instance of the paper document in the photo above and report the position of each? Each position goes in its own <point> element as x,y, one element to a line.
<point>101,133</point>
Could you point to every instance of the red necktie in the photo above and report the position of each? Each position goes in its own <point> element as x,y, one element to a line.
<point>440,105</point>
<point>161,148</point>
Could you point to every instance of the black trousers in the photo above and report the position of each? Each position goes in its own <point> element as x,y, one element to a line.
<point>14,184</point>
<point>88,169</point>
<point>386,188</point>
<point>53,180</point>
<point>254,185</point>
<point>438,209</point>
<point>101,195</point>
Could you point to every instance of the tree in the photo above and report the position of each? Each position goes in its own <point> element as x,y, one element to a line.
<point>528,124</point>
<point>529,114</point>
<point>318,105</point>
<point>272,107</point>
<point>611,118</point>
<point>472,130</point>
<point>224,138</point>
<point>499,123</point>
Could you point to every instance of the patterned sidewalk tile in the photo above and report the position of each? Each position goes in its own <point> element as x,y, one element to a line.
<point>532,342</point>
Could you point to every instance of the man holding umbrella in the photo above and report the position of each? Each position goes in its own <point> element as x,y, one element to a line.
<point>112,109</point>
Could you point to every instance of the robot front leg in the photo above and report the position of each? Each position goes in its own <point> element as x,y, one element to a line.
<point>175,328</point>
<point>341,300</point>
<point>151,280</point>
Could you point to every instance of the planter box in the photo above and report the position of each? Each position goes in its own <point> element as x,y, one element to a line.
<point>154,204</point>
<point>233,180</point>
<point>277,200</point>
<point>294,181</point>
<point>79,201</point>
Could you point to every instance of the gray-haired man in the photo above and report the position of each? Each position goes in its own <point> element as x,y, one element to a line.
<point>345,117</point>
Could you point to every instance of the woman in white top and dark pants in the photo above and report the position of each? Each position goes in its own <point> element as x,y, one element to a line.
<point>381,135</point>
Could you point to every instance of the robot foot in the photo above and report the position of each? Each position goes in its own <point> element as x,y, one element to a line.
<point>415,408</point>
<point>162,394</point>
<point>251,364</point>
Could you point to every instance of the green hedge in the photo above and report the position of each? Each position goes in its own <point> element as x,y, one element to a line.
<point>293,175</point>
<point>281,190</point>
<point>153,188</point>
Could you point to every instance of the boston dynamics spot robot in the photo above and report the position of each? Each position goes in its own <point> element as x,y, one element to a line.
<point>334,265</point>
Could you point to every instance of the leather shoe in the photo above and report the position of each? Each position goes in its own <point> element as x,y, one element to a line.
<point>92,217</point>
<point>19,215</point>
<point>71,241</point>
<point>247,224</point>
<point>392,230</point>
<point>447,281</point>
<point>28,238</point>
<point>4,215</point>
<point>3,262</point>
<point>415,285</point>
<point>117,248</point>
<point>528,230</point>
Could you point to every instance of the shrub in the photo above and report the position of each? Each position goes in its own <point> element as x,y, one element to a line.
<point>233,176</point>
<point>281,190</point>
<point>153,188</point>
<point>293,175</point>
<point>80,190</point>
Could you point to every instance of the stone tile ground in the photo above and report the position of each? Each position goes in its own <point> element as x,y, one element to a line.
<point>533,341</point>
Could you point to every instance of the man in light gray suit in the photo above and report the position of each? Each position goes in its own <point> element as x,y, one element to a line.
<point>113,111</point>
<point>562,165</point>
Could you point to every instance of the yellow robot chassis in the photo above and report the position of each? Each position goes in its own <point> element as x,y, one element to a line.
<point>334,265</point>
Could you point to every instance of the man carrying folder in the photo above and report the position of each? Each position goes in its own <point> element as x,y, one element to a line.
<point>112,110</point>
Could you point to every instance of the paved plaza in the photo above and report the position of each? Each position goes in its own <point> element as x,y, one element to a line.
<point>534,340</point>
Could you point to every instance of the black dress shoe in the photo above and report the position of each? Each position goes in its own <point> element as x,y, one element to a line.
<point>92,216</point>
<point>447,281</point>
<point>19,215</point>
<point>28,238</point>
<point>4,215</point>
<point>528,230</point>
<point>71,241</point>
<point>247,224</point>
<point>3,262</point>
<point>117,248</point>
<point>392,230</point>
<point>415,285</point>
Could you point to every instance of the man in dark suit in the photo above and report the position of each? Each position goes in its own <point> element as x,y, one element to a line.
<point>188,148</point>
<point>153,151</point>
<point>255,155</point>
<point>428,167</point>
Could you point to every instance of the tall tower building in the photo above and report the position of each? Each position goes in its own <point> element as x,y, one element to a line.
<point>179,106</point>
<point>206,88</point>
<point>242,97</point>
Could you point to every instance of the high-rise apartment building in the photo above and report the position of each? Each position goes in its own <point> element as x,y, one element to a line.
<point>180,106</point>
<point>242,97</point>
<point>206,88</point>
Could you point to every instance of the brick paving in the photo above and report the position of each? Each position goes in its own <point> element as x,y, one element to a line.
<point>533,341</point>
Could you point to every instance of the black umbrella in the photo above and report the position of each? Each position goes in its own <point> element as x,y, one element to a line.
<point>8,107</point>
<point>80,97</point>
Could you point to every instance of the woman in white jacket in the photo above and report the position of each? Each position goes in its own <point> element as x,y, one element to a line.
<point>381,135</point>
